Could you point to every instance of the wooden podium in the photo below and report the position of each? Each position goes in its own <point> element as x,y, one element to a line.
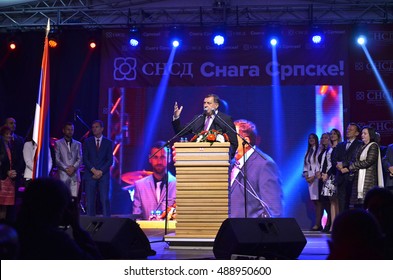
<point>201,190</point>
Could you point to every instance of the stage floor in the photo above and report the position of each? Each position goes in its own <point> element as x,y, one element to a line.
<point>315,249</point>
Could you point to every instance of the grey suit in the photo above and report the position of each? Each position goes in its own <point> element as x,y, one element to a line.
<point>65,157</point>
<point>145,196</point>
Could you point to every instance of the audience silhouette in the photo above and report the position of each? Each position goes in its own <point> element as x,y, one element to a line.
<point>379,202</point>
<point>46,211</point>
<point>356,235</point>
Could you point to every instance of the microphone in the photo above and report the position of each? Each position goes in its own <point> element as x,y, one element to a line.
<point>75,114</point>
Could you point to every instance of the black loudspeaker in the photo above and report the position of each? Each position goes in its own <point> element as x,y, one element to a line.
<point>118,238</point>
<point>270,238</point>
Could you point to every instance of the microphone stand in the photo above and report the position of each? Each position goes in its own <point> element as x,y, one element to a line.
<point>166,179</point>
<point>77,117</point>
<point>245,160</point>
<point>82,203</point>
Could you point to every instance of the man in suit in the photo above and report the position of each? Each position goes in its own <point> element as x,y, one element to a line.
<point>345,154</point>
<point>150,192</point>
<point>98,159</point>
<point>264,192</point>
<point>387,162</point>
<point>212,119</point>
<point>16,146</point>
<point>68,155</point>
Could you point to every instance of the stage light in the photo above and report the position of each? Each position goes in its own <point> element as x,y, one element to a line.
<point>316,39</point>
<point>175,36</point>
<point>218,40</point>
<point>134,37</point>
<point>317,36</point>
<point>361,40</point>
<point>12,45</point>
<point>92,44</point>
<point>53,43</point>
<point>53,38</point>
<point>219,36</point>
<point>273,41</point>
<point>175,43</point>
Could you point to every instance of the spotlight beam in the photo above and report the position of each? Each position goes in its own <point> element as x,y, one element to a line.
<point>152,124</point>
<point>379,78</point>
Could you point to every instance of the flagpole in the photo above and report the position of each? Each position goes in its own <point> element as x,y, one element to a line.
<point>42,157</point>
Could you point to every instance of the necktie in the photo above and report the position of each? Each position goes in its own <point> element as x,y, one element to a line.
<point>348,145</point>
<point>158,191</point>
<point>207,122</point>
<point>98,144</point>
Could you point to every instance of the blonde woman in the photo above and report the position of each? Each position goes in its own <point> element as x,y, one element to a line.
<point>329,188</point>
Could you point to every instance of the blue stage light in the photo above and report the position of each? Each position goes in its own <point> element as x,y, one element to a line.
<point>134,37</point>
<point>361,40</point>
<point>273,41</point>
<point>219,40</point>
<point>175,43</point>
<point>134,42</point>
<point>316,39</point>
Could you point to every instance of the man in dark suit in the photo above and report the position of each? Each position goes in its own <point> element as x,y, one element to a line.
<point>212,119</point>
<point>388,167</point>
<point>98,159</point>
<point>345,154</point>
<point>264,192</point>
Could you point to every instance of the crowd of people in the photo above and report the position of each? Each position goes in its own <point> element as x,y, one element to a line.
<point>17,157</point>
<point>340,174</point>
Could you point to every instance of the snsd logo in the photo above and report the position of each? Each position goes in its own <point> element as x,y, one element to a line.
<point>124,68</point>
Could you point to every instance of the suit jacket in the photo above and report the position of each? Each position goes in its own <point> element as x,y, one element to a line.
<point>387,162</point>
<point>145,199</point>
<point>346,157</point>
<point>264,178</point>
<point>101,159</point>
<point>217,124</point>
<point>65,157</point>
<point>17,156</point>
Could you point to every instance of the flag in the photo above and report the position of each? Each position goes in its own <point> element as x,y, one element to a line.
<point>41,119</point>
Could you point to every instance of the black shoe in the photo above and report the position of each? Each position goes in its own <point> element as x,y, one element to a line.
<point>316,228</point>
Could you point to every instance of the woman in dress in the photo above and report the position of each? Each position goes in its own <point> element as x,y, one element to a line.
<point>7,173</point>
<point>310,173</point>
<point>329,188</point>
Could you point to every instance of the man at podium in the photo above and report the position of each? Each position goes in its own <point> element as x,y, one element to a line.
<point>264,192</point>
<point>211,119</point>
<point>150,192</point>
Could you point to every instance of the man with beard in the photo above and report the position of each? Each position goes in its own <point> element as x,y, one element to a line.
<point>150,192</point>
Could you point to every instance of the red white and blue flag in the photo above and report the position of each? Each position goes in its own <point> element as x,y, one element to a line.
<point>41,119</point>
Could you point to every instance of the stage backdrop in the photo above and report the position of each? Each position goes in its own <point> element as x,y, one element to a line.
<point>287,96</point>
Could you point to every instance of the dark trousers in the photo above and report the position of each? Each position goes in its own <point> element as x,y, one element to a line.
<point>344,190</point>
<point>103,187</point>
